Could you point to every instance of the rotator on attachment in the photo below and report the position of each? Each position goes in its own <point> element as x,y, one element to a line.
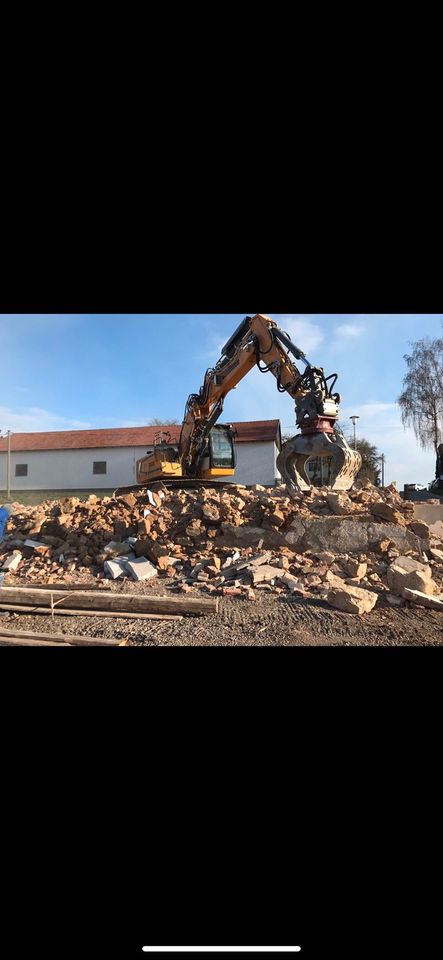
<point>316,415</point>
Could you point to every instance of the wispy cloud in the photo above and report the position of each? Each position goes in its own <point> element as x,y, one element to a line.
<point>30,419</point>
<point>350,329</point>
<point>306,334</point>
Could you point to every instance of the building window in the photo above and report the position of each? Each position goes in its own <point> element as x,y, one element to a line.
<point>21,469</point>
<point>99,466</point>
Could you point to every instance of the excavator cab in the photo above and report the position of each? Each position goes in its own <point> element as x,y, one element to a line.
<point>219,458</point>
<point>163,463</point>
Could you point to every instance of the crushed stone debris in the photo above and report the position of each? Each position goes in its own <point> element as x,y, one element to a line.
<point>347,548</point>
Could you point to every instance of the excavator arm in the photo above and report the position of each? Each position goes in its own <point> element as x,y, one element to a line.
<point>259,341</point>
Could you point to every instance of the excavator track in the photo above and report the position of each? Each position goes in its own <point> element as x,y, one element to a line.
<point>182,483</point>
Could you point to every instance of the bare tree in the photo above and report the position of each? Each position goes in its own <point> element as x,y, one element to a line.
<point>421,401</point>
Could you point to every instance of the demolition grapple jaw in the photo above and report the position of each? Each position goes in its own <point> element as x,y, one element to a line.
<point>318,439</point>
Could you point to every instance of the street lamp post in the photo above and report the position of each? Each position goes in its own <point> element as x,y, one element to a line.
<point>382,458</point>
<point>354,418</point>
<point>8,466</point>
<point>8,492</point>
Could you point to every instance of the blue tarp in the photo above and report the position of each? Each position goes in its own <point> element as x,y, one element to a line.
<point>5,513</point>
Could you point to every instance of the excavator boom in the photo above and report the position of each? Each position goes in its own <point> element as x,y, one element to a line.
<point>205,450</point>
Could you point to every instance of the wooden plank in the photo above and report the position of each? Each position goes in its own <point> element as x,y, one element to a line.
<point>64,638</point>
<point>59,586</point>
<point>16,642</point>
<point>58,612</point>
<point>109,601</point>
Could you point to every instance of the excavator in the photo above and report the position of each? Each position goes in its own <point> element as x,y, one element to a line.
<point>206,450</point>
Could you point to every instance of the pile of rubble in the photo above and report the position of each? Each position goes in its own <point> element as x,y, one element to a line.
<point>345,548</point>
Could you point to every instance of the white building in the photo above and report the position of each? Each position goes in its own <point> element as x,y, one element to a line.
<point>88,460</point>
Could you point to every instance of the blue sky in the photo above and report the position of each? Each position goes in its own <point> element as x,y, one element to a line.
<point>75,372</point>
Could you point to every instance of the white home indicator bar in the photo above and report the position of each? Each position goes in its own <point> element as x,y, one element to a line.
<point>221,949</point>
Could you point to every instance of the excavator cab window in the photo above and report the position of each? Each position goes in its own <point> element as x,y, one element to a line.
<point>221,449</point>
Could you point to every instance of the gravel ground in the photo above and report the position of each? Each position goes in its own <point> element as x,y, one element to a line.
<point>271,620</point>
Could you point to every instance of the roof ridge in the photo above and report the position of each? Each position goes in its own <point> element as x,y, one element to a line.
<point>247,430</point>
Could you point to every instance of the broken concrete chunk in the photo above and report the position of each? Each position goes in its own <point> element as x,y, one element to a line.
<point>120,530</point>
<point>283,563</point>
<point>339,503</point>
<point>436,554</point>
<point>420,529</point>
<point>388,513</point>
<point>407,572</point>
<point>423,599</point>
<point>210,513</point>
<point>12,562</point>
<point>141,569</point>
<point>254,561</point>
<point>333,580</point>
<point>352,599</point>
<point>264,573</point>
<point>34,544</point>
<point>116,549</point>
<point>355,569</point>
<point>115,568</point>
<point>150,548</point>
<point>289,581</point>
<point>195,529</point>
<point>128,499</point>
<point>230,560</point>
<point>211,571</point>
<point>409,565</point>
<point>164,563</point>
<point>326,556</point>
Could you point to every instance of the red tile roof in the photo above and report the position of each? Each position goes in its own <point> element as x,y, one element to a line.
<point>247,432</point>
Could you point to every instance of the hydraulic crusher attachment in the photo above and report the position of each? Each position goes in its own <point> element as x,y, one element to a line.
<point>319,441</point>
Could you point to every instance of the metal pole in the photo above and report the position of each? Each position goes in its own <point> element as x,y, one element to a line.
<point>382,469</point>
<point>8,479</point>
<point>354,418</point>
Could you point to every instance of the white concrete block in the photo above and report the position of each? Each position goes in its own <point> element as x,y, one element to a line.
<point>115,548</point>
<point>115,568</point>
<point>12,562</point>
<point>141,569</point>
<point>34,544</point>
